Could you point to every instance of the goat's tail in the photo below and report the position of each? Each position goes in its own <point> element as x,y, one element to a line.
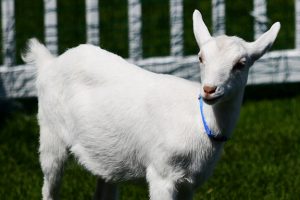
<point>36,53</point>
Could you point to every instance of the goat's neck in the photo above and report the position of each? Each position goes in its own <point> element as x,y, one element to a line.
<point>222,117</point>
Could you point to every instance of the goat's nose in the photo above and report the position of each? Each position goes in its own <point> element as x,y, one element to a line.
<point>209,89</point>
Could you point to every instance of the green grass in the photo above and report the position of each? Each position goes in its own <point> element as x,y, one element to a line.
<point>260,162</point>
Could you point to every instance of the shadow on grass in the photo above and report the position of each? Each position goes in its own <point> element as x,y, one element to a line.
<point>272,91</point>
<point>11,106</point>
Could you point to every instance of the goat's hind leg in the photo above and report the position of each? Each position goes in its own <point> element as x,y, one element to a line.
<point>53,153</point>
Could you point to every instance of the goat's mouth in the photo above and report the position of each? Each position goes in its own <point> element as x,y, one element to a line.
<point>211,99</point>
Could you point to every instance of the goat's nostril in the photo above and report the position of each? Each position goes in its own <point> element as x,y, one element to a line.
<point>209,89</point>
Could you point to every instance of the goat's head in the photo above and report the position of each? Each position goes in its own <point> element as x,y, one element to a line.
<point>225,61</point>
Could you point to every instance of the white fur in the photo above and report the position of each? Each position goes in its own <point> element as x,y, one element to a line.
<point>122,122</point>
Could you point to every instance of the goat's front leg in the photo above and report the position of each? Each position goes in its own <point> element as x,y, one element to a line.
<point>160,187</point>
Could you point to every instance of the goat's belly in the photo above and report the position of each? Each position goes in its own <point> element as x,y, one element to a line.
<point>108,161</point>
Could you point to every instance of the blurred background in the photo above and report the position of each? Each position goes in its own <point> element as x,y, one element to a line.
<point>262,159</point>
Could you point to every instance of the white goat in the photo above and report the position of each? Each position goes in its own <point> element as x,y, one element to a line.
<point>122,122</point>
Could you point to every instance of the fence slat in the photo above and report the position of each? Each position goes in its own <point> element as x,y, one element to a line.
<point>218,17</point>
<point>92,21</point>
<point>176,20</point>
<point>259,14</point>
<point>297,24</point>
<point>50,21</point>
<point>134,26</point>
<point>8,32</point>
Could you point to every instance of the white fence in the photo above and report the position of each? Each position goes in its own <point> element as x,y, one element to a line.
<point>275,67</point>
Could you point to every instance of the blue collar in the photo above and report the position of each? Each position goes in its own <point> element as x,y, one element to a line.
<point>217,138</point>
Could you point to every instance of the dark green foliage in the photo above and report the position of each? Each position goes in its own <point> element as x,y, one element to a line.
<point>155,28</point>
<point>29,23</point>
<point>283,11</point>
<point>239,22</point>
<point>190,45</point>
<point>155,24</point>
<point>114,26</point>
<point>71,23</point>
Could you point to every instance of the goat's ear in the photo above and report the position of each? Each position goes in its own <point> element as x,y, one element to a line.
<point>200,30</point>
<point>259,47</point>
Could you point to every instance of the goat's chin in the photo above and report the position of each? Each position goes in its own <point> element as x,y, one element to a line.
<point>212,100</point>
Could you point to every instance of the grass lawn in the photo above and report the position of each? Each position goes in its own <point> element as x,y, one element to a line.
<point>260,162</point>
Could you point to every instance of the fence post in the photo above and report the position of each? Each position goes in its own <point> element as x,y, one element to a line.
<point>134,26</point>
<point>8,32</point>
<point>92,21</point>
<point>218,17</point>
<point>260,17</point>
<point>176,20</point>
<point>50,23</point>
<point>297,24</point>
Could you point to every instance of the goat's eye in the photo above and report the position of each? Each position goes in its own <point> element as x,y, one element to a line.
<point>239,65</point>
